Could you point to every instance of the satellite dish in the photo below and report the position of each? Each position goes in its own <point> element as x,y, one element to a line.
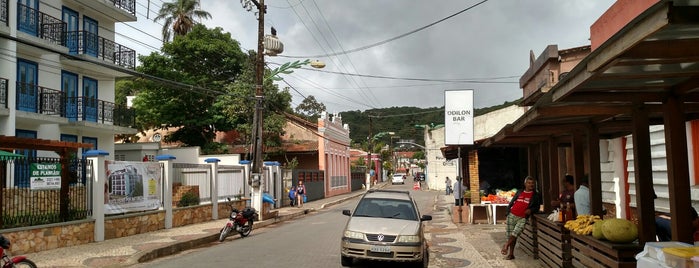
<point>157,137</point>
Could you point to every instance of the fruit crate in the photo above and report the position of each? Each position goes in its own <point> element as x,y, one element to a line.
<point>587,251</point>
<point>527,240</point>
<point>553,243</point>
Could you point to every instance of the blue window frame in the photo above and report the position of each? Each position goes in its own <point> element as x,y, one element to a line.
<point>70,17</point>
<point>22,168</point>
<point>90,101</point>
<point>92,141</point>
<point>69,86</point>
<point>28,16</point>
<point>91,36</point>
<point>27,91</point>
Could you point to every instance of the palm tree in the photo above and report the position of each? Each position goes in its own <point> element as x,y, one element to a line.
<point>180,14</point>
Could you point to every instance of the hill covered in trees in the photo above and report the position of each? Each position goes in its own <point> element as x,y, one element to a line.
<point>400,120</point>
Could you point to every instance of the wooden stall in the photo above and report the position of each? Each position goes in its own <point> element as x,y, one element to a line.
<point>590,252</point>
<point>553,242</point>
<point>527,240</point>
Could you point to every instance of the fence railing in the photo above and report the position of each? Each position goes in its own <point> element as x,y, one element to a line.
<point>3,92</point>
<point>22,206</point>
<point>231,182</point>
<point>84,42</point>
<point>194,175</point>
<point>127,5</point>
<point>40,24</point>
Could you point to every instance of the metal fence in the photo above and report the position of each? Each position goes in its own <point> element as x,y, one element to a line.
<point>231,182</point>
<point>193,175</point>
<point>22,205</point>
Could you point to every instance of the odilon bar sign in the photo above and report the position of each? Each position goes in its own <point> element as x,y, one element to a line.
<point>45,176</point>
<point>458,117</point>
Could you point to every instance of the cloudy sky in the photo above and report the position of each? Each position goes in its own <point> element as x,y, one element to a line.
<point>484,48</point>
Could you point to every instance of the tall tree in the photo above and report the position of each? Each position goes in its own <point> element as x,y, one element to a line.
<point>179,17</point>
<point>310,108</point>
<point>205,57</point>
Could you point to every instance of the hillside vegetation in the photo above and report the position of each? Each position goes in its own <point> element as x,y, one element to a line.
<point>400,120</point>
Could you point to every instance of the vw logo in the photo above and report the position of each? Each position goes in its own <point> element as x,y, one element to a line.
<point>380,237</point>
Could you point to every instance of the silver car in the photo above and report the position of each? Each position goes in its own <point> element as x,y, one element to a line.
<point>385,226</point>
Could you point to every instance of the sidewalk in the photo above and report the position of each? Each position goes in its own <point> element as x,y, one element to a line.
<point>135,249</point>
<point>451,245</point>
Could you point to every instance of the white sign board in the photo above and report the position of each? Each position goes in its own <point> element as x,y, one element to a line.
<point>458,117</point>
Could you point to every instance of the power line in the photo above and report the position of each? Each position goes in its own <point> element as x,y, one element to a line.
<point>390,39</point>
<point>411,78</point>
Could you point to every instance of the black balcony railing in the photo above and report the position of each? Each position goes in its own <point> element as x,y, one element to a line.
<point>128,5</point>
<point>82,42</point>
<point>38,99</point>
<point>40,24</point>
<point>3,93</point>
<point>41,100</point>
<point>4,14</point>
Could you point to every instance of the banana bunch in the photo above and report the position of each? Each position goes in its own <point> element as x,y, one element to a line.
<point>582,225</point>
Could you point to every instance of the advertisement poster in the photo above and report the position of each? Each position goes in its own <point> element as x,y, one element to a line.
<point>45,176</point>
<point>132,187</point>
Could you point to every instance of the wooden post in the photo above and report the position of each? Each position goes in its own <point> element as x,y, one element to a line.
<point>595,177</point>
<point>678,170</point>
<point>643,175</point>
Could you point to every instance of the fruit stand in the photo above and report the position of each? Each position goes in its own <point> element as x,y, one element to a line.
<point>553,242</point>
<point>590,252</point>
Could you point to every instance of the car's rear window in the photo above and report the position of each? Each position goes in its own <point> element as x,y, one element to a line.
<point>386,208</point>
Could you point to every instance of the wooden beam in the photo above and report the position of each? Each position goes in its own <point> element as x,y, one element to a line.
<point>595,176</point>
<point>683,50</point>
<point>576,110</point>
<point>578,157</point>
<point>608,96</point>
<point>555,180</point>
<point>545,179</point>
<point>643,176</point>
<point>678,171</point>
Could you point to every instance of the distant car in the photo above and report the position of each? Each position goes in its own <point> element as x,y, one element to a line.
<point>420,176</point>
<point>398,178</point>
<point>385,226</point>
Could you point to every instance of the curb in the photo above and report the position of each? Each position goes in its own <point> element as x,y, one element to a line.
<point>178,247</point>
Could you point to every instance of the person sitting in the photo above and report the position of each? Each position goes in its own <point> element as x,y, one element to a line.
<point>663,225</point>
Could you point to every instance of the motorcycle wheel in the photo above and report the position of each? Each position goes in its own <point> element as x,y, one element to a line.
<point>247,228</point>
<point>224,233</point>
<point>26,263</point>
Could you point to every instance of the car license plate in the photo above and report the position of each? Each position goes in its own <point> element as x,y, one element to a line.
<point>382,249</point>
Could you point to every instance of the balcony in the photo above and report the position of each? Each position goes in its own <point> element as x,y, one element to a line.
<point>4,13</point>
<point>87,43</point>
<point>39,24</point>
<point>116,10</point>
<point>36,99</point>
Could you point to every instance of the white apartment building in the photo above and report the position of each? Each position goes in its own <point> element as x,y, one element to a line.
<point>58,65</point>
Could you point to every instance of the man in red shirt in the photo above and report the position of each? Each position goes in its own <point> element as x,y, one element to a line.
<point>523,204</point>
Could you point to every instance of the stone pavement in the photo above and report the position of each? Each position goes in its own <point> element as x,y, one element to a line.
<point>451,245</point>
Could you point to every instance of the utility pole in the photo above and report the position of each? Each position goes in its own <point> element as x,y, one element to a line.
<point>259,90</point>
<point>368,155</point>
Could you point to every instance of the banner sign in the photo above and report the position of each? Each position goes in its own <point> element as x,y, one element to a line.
<point>45,176</point>
<point>458,117</point>
<point>132,187</point>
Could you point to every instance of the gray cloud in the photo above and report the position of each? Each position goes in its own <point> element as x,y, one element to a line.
<point>490,40</point>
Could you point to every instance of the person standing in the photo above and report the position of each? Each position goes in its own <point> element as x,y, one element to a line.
<point>448,185</point>
<point>458,193</point>
<point>300,193</point>
<point>567,196</point>
<point>582,198</point>
<point>522,206</point>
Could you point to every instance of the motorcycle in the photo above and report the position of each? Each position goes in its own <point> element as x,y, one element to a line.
<point>239,221</point>
<point>16,261</point>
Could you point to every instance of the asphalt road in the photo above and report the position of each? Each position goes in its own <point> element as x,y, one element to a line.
<point>311,241</point>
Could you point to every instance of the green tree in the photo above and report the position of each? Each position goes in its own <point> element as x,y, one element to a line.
<point>179,17</point>
<point>238,106</point>
<point>205,57</point>
<point>310,108</point>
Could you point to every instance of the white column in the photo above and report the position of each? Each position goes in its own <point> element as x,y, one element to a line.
<point>167,182</point>
<point>99,178</point>
<point>214,186</point>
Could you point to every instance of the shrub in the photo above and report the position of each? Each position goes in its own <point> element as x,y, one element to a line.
<point>188,199</point>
